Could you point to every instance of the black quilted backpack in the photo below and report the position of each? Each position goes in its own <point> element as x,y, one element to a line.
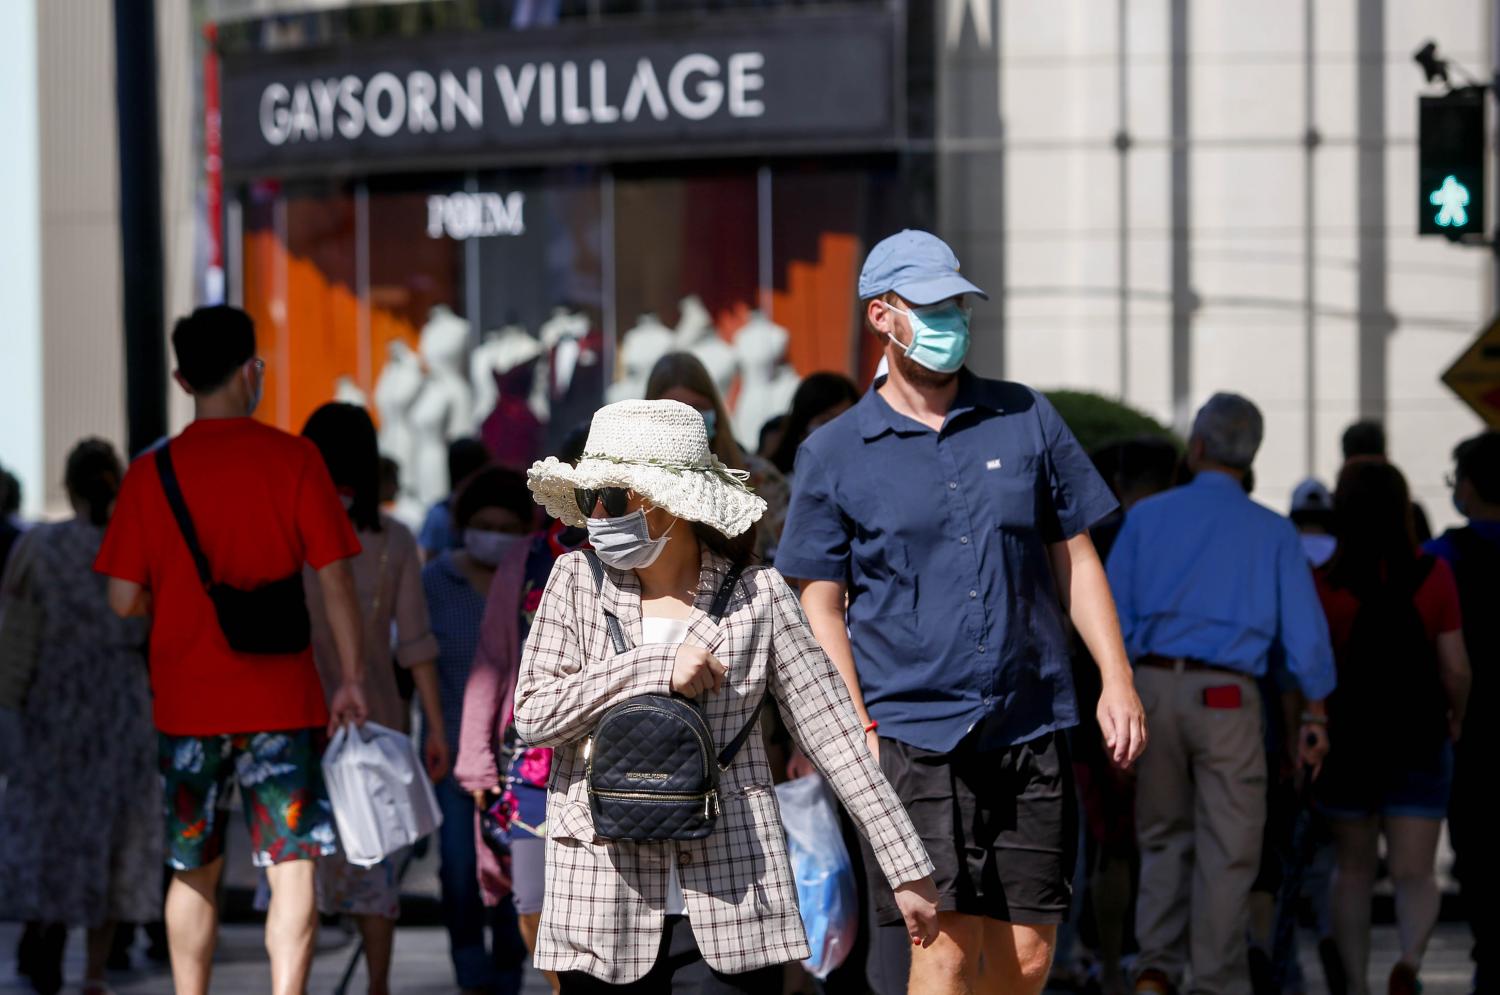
<point>651,767</point>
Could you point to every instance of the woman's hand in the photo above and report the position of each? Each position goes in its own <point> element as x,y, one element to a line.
<point>435,755</point>
<point>696,671</point>
<point>798,765</point>
<point>918,903</point>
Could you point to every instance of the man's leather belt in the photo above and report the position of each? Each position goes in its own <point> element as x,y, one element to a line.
<point>1185,664</point>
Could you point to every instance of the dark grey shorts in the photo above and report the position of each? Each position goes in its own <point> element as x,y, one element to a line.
<point>1000,825</point>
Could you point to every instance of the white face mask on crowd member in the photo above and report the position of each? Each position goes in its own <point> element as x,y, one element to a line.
<point>489,547</point>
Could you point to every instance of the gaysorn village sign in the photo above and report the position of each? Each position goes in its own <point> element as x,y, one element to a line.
<point>795,81</point>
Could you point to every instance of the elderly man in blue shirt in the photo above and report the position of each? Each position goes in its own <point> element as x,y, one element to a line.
<point>950,514</point>
<point>1209,584</point>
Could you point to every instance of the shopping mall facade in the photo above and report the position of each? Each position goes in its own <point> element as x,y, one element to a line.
<point>461,209</point>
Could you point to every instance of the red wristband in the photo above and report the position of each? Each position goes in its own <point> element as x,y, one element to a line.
<point>872,726</point>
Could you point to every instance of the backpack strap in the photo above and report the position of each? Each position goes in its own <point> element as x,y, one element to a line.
<point>179,507</point>
<point>616,633</point>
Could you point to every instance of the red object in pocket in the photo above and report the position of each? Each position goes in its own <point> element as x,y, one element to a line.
<point>1226,696</point>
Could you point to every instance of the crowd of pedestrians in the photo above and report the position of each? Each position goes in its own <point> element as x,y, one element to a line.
<point>1094,719</point>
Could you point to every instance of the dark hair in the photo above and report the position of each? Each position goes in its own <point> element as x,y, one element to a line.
<point>1364,438</point>
<point>570,449</point>
<point>211,344</point>
<point>1372,506</point>
<point>493,487</point>
<point>345,435</point>
<point>390,479</point>
<point>1477,460</point>
<point>466,457</point>
<point>768,431</point>
<point>93,476</point>
<point>738,549</point>
<point>10,493</point>
<point>1140,467</point>
<point>683,369</point>
<point>819,393</point>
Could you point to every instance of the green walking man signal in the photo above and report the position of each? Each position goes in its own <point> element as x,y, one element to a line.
<point>1450,171</point>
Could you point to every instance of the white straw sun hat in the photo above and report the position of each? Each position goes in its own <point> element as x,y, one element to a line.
<point>659,450</point>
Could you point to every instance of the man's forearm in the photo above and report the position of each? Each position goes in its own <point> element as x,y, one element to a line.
<point>337,581</point>
<point>1092,609</point>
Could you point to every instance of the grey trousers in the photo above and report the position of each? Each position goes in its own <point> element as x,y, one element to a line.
<point>1200,810</point>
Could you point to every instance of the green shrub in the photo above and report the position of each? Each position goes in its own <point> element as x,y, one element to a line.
<point>1099,421</point>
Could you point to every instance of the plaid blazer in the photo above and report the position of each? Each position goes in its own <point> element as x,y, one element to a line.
<point>603,912</point>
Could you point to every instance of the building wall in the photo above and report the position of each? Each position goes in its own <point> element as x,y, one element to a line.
<point>1221,251</point>
<point>83,358</point>
<point>20,277</point>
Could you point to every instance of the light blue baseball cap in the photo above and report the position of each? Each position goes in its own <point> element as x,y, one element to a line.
<point>917,265</point>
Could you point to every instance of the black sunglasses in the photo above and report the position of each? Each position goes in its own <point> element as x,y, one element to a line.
<point>614,498</point>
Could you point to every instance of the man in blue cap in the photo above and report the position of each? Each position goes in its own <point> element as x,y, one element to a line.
<point>950,514</point>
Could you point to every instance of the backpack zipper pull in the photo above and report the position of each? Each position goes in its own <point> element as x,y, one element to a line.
<point>711,804</point>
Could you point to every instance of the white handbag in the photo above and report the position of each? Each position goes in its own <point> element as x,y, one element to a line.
<point>382,799</point>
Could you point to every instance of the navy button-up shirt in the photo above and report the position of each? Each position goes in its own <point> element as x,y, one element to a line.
<point>1204,572</point>
<point>941,538</point>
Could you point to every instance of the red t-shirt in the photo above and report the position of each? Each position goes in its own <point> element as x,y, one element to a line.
<point>1437,602</point>
<point>263,505</point>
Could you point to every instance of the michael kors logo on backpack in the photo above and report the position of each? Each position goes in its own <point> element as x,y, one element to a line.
<point>636,775</point>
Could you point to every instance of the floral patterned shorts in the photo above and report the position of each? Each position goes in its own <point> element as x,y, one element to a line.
<point>280,775</point>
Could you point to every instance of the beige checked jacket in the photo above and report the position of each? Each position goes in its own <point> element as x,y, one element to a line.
<point>603,912</point>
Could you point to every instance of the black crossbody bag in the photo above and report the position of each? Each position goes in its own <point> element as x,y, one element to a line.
<point>651,767</point>
<point>268,620</point>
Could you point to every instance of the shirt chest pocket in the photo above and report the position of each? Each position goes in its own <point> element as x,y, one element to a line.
<point>1015,490</point>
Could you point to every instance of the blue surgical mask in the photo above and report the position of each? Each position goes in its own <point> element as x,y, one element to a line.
<point>939,336</point>
<point>710,422</point>
<point>488,547</point>
<point>625,543</point>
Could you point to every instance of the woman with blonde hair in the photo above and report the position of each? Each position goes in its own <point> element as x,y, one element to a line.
<point>664,605</point>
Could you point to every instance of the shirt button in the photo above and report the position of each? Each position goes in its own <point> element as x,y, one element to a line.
<point>973,594</point>
<point>953,485</point>
<point>684,858</point>
<point>963,540</point>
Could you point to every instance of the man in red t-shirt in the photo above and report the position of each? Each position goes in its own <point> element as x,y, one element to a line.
<point>261,505</point>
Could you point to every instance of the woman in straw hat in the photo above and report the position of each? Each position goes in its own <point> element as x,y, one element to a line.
<point>719,914</point>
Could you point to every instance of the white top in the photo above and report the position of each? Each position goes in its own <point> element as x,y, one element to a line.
<point>671,631</point>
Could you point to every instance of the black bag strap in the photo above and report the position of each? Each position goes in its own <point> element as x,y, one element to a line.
<point>716,611</point>
<point>616,634</point>
<point>179,507</point>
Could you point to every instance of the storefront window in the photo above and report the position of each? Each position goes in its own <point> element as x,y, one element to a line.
<point>510,304</point>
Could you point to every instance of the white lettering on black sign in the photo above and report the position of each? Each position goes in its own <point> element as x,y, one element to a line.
<point>695,87</point>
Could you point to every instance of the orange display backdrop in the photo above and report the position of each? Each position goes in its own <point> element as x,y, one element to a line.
<point>300,287</point>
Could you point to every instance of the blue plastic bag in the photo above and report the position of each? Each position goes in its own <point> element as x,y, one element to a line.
<point>825,876</point>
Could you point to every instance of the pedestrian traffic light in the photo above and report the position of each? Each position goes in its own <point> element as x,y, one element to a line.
<point>1450,136</point>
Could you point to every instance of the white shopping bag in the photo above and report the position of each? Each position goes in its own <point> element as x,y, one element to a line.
<point>381,797</point>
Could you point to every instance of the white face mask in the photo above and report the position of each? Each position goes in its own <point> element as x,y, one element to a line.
<point>489,548</point>
<point>625,542</point>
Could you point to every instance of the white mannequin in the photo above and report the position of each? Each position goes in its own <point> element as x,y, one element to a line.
<point>395,389</point>
<point>499,353</point>
<point>642,346</point>
<point>696,334</point>
<point>766,382</point>
<point>346,391</point>
<point>443,409</point>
